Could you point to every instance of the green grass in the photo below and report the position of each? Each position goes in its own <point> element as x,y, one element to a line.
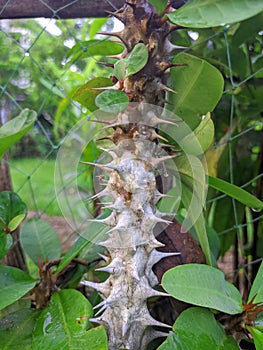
<point>33,180</point>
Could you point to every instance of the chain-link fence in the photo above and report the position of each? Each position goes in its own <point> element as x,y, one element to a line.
<point>39,72</point>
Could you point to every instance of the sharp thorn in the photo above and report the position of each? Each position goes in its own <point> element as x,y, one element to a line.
<point>106,64</point>
<point>95,320</point>
<point>115,14</point>
<point>114,87</point>
<point>103,166</point>
<point>166,88</point>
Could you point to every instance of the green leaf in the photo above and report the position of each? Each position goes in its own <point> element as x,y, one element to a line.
<point>12,211</point>
<point>200,229</point>
<point>40,241</point>
<point>247,30</point>
<point>133,63</point>
<point>53,88</point>
<point>14,285</point>
<point>213,13</point>
<point>137,59</point>
<point>15,129</point>
<point>197,329</point>
<point>97,339</point>
<point>224,219</point>
<point>96,25</point>
<point>120,69</point>
<point>16,329</point>
<point>112,101</point>
<point>238,61</point>
<point>191,179</point>
<point>199,87</point>
<point>6,242</point>
<point>203,285</point>
<point>22,303</point>
<point>172,342</point>
<point>77,247</point>
<point>203,133</point>
<point>86,93</point>
<point>257,286</point>
<point>63,324</point>
<point>94,48</point>
<point>214,241</point>
<point>257,336</point>
<point>13,224</point>
<point>235,192</point>
<point>159,5</point>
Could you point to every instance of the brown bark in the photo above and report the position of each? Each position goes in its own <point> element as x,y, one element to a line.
<point>57,9</point>
<point>5,179</point>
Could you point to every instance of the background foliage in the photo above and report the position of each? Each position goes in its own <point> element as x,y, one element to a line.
<point>50,67</point>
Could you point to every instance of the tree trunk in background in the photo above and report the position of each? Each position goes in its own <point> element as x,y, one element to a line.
<point>15,256</point>
<point>5,179</point>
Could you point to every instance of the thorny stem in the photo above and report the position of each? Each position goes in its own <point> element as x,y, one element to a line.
<point>132,187</point>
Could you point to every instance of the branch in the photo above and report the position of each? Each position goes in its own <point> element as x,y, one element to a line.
<point>61,9</point>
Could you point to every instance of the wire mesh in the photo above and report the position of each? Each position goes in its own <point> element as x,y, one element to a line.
<point>36,74</point>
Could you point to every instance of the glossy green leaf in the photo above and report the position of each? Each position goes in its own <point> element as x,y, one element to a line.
<point>97,339</point>
<point>94,47</point>
<point>172,342</point>
<point>257,286</point>
<point>257,336</point>
<point>64,323</point>
<point>203,285</point>
<point>16,329</point>
<point>235,192</point>
<point>6,242</point>
<point>133,63</point>
<point>40,241</point>
<point>120,69</point>
<point>203,133</point>
<point>12,211</point>
<point>15,129</point>
<point>199,87</point>
<point>137,59</point>
<point>112,101</point>
<point>197,329</point>
<point>159,5</point>
<point>86,93</point>
<point>15,283</point>
<point>213,13</point>
<point>13,224</point>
